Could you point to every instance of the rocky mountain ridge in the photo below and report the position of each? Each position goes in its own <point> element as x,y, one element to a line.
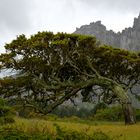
<point>128,39</point>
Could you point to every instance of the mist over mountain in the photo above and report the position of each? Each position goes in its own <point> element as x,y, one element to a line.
<point>128,39</point>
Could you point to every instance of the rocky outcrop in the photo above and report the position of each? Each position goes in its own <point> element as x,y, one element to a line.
<point>128,39</point>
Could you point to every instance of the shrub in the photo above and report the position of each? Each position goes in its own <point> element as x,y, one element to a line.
<point>137,112</point>
<point>113,113</point>
<point>5,113</point>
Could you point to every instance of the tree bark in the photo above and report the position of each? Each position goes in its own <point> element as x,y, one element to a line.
<point>128,114</point>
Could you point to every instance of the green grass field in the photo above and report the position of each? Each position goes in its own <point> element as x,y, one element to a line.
<point>118,131</point>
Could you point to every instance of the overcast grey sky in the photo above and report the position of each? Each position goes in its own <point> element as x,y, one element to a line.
<point>29,16</point>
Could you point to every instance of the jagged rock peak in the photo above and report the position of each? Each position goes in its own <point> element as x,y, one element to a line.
<point>136,23</point>
<point>129,38</point>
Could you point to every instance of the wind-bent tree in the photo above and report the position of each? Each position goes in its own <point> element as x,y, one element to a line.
<point>51,69</point>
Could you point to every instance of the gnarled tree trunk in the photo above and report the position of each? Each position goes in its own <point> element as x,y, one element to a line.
<point>121,94</point>
<point>129,115</point>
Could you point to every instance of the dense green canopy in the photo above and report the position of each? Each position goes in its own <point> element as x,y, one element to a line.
<point>52,68</point>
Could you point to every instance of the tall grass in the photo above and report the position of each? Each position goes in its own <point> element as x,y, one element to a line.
<point>118,131</point>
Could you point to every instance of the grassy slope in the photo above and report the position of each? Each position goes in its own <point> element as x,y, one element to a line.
<point>117,130</point>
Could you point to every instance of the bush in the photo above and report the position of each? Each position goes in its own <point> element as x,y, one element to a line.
<point>109,114</point>
<point>5,113</point>
<point>137,112</point>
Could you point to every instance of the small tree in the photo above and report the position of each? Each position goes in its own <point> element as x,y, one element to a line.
<point>52,69</point>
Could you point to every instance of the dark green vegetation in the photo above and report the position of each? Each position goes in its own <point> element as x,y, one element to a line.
<point>51,69</point>
<point>6,114</point>
<point>91,127</point>
<point>112,113</point>
<point>68,128</point>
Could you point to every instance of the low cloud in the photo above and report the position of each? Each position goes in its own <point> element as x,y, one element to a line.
<point>29,16</point>
<point>15,14</point>
<point>117,5</point>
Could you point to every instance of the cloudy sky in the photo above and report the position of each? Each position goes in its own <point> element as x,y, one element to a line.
<point>30,16</point>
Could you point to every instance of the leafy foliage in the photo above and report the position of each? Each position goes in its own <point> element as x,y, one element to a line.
<point>54,68</point>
